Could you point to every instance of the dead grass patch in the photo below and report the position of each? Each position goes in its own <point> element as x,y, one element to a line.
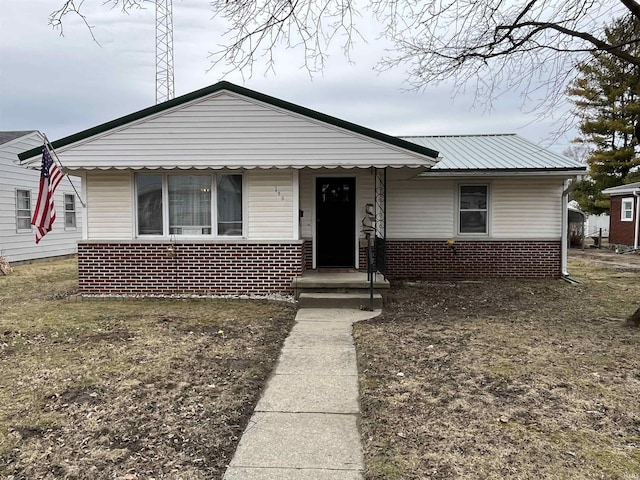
<point>126,388</point>
<point>504,379</point>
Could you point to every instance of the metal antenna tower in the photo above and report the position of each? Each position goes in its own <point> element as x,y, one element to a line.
<point>164,50</point>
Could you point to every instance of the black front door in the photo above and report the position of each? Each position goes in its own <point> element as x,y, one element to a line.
<point>335,222</point>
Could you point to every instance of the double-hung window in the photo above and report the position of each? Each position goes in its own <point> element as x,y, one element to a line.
<point>189,204</point>
<point>473,214</point>
<point>69,211</point>
<point>627,210</point>
<point>23,210</point>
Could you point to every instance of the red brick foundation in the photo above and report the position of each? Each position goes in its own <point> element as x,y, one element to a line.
<point>242,268</point>
<point>308,254</point>
<point>473,259</point>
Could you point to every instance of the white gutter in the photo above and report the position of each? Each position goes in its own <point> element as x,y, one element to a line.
<point>500,173</point>
<point>564,242</point>
<point>635,239</point>
<point>565,231</point>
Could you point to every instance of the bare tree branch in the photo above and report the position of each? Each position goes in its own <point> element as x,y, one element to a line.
<point>634,7</point>
<point>530,46</point>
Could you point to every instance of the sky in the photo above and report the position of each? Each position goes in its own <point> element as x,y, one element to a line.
<point>61,85</point>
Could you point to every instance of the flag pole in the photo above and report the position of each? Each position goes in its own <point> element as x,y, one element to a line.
<point>51,149</point>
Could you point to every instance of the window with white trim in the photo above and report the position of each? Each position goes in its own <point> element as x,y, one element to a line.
<point>23,210</point>
<point>189,204</point>
<point>627,210</point>
<point>473,209</point>
<point>69,211</point>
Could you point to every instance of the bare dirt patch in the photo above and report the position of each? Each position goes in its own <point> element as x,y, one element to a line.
<point>126,389</point>
<point>504,379</point>
<point>607,257</point>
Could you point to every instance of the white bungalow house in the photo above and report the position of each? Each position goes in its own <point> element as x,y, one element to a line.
<point>18,194</point>
<point>227,190</point>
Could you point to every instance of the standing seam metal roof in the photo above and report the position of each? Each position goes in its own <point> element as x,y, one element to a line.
<point>492,152</point>
<point>622,189</point>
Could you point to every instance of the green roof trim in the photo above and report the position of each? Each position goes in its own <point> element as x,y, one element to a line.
<point>224,85</point>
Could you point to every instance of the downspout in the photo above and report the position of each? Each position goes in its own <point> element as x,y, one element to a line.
<point>564,243</point>
<point>635,239</point>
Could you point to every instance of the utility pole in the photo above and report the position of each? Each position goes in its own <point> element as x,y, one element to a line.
<point>164,51</point>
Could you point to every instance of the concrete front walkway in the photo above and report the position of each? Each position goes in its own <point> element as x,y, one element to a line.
<point>305,426</point>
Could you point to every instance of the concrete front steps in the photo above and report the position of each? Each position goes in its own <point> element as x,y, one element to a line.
<point>339,290</point>
<point>359,301</point>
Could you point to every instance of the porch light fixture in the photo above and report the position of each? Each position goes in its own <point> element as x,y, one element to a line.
<point>451,243</point>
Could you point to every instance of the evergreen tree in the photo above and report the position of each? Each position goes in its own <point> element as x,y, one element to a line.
<point>606,94</point>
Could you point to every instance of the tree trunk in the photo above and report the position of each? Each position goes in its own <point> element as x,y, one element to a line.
<point>634,319</point>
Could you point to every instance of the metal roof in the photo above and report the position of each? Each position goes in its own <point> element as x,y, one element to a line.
<point>508,152</point>
<point>623,189</point>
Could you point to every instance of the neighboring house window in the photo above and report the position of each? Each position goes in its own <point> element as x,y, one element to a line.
<point>23,210</point>
<point>627,210</point>
<point>69,211</point>
<point>473,209</point>
<point>189,204</point>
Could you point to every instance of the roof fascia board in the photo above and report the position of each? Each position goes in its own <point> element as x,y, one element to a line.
<point>622,191</point>
<point>218,87</point>
<point>502,173</point>
<point>312,166</point>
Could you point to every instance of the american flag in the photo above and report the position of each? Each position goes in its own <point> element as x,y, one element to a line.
<point>45,212</point>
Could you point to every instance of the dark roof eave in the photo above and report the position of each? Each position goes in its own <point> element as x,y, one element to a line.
<point>132,117</point>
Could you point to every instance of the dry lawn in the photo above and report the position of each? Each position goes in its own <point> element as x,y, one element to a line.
<point>504,379</point>
<point>126,389</point>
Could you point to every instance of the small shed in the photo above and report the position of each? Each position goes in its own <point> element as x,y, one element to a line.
<point>625,214</point>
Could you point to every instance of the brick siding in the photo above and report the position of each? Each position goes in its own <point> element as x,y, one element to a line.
<point>241,268</point>
<point>473,259</point>
<point>308,254</point>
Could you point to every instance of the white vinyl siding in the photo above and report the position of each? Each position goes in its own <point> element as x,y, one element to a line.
<point>270,204</point>
<point>226,129</point>
<point>421,209</point>
<point>307,179</point>
<point>19,247</point>
<point>269,209</point>
<point>109,205</point>
<point>518,208</point>
<point>626,210</point>
<point>526,208</point>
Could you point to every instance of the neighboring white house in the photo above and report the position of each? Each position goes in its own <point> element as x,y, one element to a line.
<point>227,190</point>
<point>595,223</point>
<point>18,195</point>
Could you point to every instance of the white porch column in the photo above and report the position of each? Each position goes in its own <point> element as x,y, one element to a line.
<point>296,203</point>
